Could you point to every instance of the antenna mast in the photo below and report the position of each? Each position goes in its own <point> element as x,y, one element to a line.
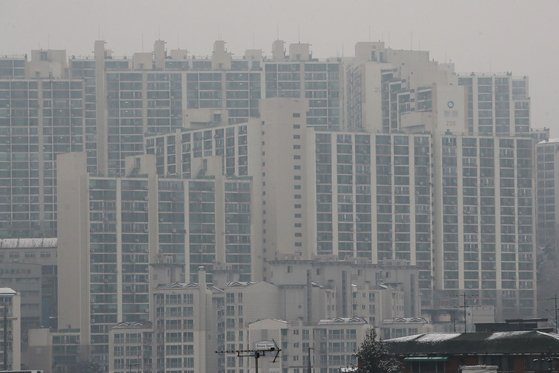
<point>256,353</point>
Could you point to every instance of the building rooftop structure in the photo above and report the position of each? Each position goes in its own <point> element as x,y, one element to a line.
<point>343,320</point>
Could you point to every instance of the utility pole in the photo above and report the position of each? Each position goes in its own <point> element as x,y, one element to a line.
<point>5,338</point>
<point>309,362</point>
<point>465,314</point>
<point>555,297</point>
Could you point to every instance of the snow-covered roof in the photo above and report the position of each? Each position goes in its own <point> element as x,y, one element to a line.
<point>549,141</point>
<point>7,291</point>
<point>461,343</point>
<point>406,320</point>
<point>240,284</point>
<point>343,320</point>
<point>178,285</point>
<point>427,338</point>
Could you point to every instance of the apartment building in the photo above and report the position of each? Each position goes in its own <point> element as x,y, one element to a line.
<point>131,233</point>
<point>29,267</point>
<point>498,104</point>
<point>382,85</point>
<point>485,221</point>
<point>547,182</point>
<point>39,119</point>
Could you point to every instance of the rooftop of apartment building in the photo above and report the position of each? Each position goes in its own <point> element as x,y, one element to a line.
<point>549,141</point>
<point>343,321</point>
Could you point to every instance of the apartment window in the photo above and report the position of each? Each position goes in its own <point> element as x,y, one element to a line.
<point>296,157</point>
<point>296,167</point>
<point>297,215</point>
<point>296,115</point>
<point>263,142</point>
<point>296,137</point>
<point>289,269</point>
<point>297,225</point>
<point>296,146</point>
<point>297,186</point>
<point>298,244</point>
<point>296,126</point>
<point>298,234</point>
<point>297,177</point>
<point>297,196</point>
<point>297,206</point>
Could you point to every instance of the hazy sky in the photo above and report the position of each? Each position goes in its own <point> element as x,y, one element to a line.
<point>477,35</point>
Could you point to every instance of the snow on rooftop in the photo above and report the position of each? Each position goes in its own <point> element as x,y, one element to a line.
<point>499,335</point>
<point>549,141</point>
<point>405,339</point>
<point>7,291</point>
<point>427,338</point>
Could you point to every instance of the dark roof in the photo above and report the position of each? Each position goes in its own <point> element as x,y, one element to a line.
<point>519,342</point>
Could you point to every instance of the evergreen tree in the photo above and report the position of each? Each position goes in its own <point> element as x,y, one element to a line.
<point>373,356</point>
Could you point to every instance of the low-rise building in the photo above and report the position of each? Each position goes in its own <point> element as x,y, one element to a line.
<point>11,300</point>
<point>517,351</point>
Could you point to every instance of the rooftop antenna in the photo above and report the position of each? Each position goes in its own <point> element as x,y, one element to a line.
<point>277,31</point>
<point>48,41</point>
<point>389,39</point>
<point>98,31</point>
<point>256,353</point>
<point>411,40</point>
<point>218,32</point>
<point>158,32</point>
<point>178,41</point>
<point>299,34</point>
<point>369,33</point>
<point>142,43</point>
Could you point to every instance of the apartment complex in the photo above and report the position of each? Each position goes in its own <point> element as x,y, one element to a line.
<point>130,234</point>
<point>364,188</point>
<point>193,320</point>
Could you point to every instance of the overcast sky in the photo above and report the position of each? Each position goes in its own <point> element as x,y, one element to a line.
<point>477,35</point>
